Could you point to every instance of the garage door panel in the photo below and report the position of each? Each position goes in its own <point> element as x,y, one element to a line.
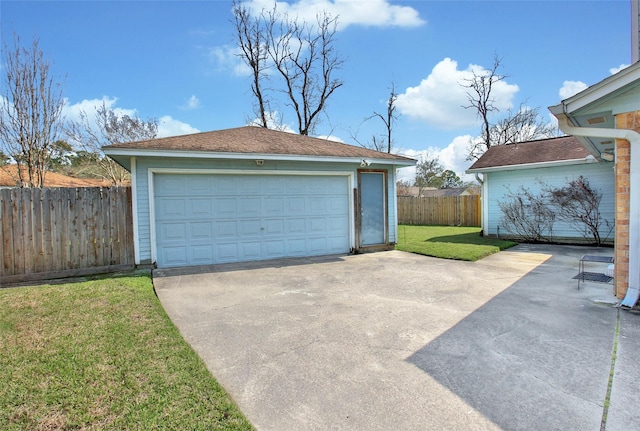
<point>335,243</point>
<point>249,185</point>
<point>275,249</point>
<point>226,228</point>
<point>200,185</point>
<point>249,228</point>
<point>317,204</point>
<point>274,227</point>
<point>336,226</point>
<point>224,207</point>
<point>202,254</point>
<point>175,256</point>
<point>274,206</point>
<point>225,185</point>
<point>202,219</point>
<point>296,205</point>
<point>201,230</point>
<point>171,209</point>
<point>317,224</point>
<point>251,250</point>
<point>297,247</point>
<point>227,252</point>
<point>171,184</point>
<point>173,232</point>
<point>249,206</point>
<point>338,204</point>
<point>296,225</point>
<point>200,208</point>
<point>317,245</point>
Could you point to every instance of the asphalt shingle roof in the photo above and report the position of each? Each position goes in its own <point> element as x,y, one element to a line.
<point>540,151</point>
<point>256,140</point>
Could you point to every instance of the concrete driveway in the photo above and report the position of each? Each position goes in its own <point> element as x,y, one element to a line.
<point>393,340</point>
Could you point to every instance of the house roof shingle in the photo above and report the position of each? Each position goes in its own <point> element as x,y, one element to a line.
<point>256,140</point>
<point>540,151</point>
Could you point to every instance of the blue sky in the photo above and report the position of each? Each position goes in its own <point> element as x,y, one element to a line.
<point>174,60</point>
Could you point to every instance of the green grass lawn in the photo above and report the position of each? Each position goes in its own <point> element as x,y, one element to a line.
<point>448,242</point>
<point>102,355</point>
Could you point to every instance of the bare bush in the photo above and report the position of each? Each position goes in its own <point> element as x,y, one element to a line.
<point>578,204</point>
<point>528,215</point>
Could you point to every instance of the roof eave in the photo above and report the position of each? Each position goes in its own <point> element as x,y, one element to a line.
<point>537,165</point>
<point>137,152</point>
<point>597,91</point>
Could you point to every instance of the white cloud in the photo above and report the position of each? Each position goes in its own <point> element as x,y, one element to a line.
<point>89,107</point>
<point>168,126</point>
<point>569,88</point>
<point>226,58</point>
<point>452,157</point>
<point>274,122</point>
<point>378,13</point>
<point>191,104</point>
<point>439,99</point>
<point>330,138</point>
<point>615,70</point>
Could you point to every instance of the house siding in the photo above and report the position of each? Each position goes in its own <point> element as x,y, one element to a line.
<point>499,184</point>
<point>144,164</point>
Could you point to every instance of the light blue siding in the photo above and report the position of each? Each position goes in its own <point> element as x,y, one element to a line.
<point>499,184</point>
<point>145,164</point>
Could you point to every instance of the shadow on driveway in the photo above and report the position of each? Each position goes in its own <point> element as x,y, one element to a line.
<point>393,340</point>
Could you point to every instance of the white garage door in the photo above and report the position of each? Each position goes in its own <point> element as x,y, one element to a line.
<point>204,219</point>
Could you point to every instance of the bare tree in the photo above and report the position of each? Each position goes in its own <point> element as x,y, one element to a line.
<point>522,125</point>
<point>253,51</point>
<point>390,116</point>
<point>108,128</point>
<point>480,98</point>
<point>382,143</point>
<point>301,54</point>
<point>30,111</point>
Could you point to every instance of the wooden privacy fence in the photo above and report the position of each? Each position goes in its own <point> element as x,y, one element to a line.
<point>451,210</point>
<point>61,232</point>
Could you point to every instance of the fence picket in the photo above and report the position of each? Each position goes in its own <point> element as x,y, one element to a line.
<point>450,210</point>
<point>64,230</point>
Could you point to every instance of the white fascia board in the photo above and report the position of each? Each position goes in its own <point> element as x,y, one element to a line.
<point>597,91</point>
<point>251,156</point>
<point>531,166</point>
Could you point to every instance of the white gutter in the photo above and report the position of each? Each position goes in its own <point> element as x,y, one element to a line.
<point>133,152</point>
<point>634,195</point>
<point>549,164</point>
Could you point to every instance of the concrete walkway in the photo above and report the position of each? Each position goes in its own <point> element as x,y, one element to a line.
<point>393,340</point>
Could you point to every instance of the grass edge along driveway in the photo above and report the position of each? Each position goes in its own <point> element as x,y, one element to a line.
<point>448,242</point>
<point>102,354</point>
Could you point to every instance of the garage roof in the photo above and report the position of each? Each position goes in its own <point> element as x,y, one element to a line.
<point>254,141</point>
<point>543,152</point>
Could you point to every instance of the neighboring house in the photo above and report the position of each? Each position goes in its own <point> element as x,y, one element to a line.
<point>605,118</point>
<point>556,161</point>
<point>9,178</point>
<point>432,192</point>
<point>250,193</point>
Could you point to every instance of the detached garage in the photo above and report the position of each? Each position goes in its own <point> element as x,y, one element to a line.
<point>250,193</point>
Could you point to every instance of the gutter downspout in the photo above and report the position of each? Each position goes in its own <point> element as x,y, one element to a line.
<point>484,199</point>
<point>634,179</point>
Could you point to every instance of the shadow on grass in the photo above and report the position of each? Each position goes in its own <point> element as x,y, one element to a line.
<point>463,238</point>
